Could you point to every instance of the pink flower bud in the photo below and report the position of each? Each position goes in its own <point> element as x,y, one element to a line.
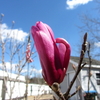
<point>54,53</point>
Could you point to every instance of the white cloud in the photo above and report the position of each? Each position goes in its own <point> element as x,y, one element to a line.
<point>37,71</point>
<point>71,4</point>
<point>97,44</point>
<point>16,34</point>
<point>8,66</point>
<point>33,72</point>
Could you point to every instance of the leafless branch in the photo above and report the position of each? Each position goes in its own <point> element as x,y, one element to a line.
<point>88,51</point>
<point>79,66</point>
<point>15,53</point>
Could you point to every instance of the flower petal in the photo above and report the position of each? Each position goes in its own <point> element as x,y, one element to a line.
<point>45,28</point>
<point>45,48</point>
<point>64,52</point>
<point>50,31</point>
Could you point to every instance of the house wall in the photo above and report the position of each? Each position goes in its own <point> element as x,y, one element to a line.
<point>20,88</point>
<point>36,89</point>
<point>82,80</point>
<point>93,83</point>
<point>65,84</point>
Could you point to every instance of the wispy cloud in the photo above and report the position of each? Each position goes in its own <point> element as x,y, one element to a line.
<point>37,71</point>
<point>33,72</point>
<point>71,4</point>
<point>97,44</point>
<point>14,67</point>
<point>8,66</point>
<point>16,34</point>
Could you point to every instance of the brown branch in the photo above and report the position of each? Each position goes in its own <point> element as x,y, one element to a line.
<point>79,66</point>
<point>88,51</point>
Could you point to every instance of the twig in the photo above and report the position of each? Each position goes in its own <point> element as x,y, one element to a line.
<point>79,66</point>
<point>88,52</point>
<point>78,88</point>
<point>74,67</point>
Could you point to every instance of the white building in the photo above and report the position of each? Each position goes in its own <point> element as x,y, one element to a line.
<point>82,79</point>
<point>8,83</point>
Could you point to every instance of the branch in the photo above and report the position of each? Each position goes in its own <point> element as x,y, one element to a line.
<point>79,66</point>
<point>88,51</point>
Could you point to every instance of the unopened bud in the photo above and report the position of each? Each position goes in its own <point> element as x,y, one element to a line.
<point>55,86</point>
<point>90,73</point>
<point>74,67</point>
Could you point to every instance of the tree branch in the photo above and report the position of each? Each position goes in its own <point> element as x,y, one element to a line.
<point>79,66</point>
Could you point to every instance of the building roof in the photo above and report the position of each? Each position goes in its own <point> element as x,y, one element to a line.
<point>94,62</point>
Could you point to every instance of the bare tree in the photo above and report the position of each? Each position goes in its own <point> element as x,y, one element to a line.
<point>91,24</point>
<point>13,52</point>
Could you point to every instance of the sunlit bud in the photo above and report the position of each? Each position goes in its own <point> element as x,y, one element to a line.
<point>90,73</point>
<point>74,67</point>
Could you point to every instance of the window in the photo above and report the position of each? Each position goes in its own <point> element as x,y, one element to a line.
<point>98,82</point>
<point>97,75</point>
<point>98,78</point>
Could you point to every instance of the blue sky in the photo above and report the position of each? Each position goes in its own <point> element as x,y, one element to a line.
<point>61,15</point>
